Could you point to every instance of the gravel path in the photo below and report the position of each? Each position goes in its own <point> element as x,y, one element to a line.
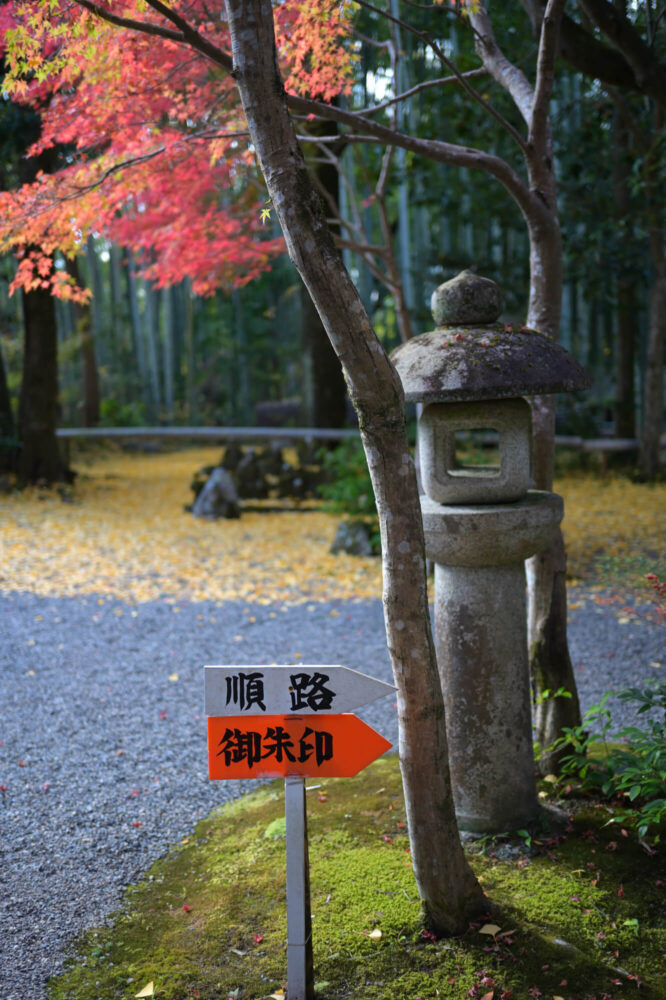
<point>102,746</point>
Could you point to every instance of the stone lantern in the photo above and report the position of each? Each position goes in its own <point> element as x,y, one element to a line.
<point>481,523</point>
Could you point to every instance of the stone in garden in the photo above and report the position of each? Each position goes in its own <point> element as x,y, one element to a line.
<point>218,498</point>
<point>270,460</point>
<point>233,453</point>
<point>249,481</point>
<point>353,538</point>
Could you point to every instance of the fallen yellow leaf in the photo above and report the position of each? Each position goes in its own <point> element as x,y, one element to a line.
<point>173,677</point>
<point>375,935</point>
<point>278,995</point>
<point>147,991</point>
<point>491,929</point>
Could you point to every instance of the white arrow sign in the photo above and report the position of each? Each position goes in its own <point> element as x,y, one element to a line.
<point>288,689</point>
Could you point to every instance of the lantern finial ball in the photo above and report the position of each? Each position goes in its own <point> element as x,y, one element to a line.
<point>466,300</point>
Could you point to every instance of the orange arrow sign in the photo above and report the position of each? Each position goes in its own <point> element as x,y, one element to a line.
<point>277,746</point>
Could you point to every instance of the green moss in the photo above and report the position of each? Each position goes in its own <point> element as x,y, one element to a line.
<point>210,916</point>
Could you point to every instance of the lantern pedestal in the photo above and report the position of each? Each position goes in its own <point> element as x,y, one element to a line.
<point>481,642</point>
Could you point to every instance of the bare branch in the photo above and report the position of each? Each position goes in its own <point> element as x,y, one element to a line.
<point>360,248</point>
<point>460,77</point>
<point>650,75</point>
<point>382,181</point>
<point>539,132</point>
<point>186,34</point>
<point>146,27</point>
<point>441,81</point>
<point>372,42</point>
<point>500,68</point>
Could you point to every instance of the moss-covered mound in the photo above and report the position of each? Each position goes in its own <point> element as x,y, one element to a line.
<point>577,915</point>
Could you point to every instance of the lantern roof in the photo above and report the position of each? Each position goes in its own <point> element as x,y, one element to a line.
<point>471,358</point>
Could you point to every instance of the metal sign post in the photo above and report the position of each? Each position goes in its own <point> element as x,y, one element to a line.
<point>291,721</point>
<point>300,976</point>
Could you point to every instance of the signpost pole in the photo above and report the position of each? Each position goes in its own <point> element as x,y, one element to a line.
<point>300,979</point>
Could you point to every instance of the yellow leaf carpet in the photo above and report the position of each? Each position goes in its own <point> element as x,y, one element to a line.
<point>124,533</point>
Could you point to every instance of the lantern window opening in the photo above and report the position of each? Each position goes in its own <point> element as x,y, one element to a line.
<point>476,453</point>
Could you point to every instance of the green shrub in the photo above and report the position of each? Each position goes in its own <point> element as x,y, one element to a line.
<point>114,414</point>
<point>347,489</point>
<point>632,762</point>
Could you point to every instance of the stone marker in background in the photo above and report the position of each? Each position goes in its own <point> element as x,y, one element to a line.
<point>218,498</point>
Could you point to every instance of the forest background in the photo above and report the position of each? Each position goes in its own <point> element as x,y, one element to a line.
<point>186,327</point>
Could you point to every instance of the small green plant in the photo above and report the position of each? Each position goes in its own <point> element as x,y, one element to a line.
<point>114,414</point>
<point>347,488</point>
<point>632,762</point>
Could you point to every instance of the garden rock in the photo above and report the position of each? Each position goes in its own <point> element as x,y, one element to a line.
<point>233,454</point>
<point>249,480</point>
<point>270,461</point>
<point>353,538</point>
<point>218,498</point>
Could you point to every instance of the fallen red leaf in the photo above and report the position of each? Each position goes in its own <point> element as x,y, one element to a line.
<point>187,908</point>
<point>620,892</point>
<point>257,938</point>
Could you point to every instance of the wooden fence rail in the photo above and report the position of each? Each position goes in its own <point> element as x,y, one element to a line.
<point>210,433</point>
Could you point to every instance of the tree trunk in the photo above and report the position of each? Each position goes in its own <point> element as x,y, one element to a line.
<point>89,377</point>
<point>324,389</point>
<point>653,382</point>
<point>8,438</point>
<point>653,379</point>
<point>625,402</point>
<point>151,324</point>
<point>550,663</point>
<point>324,383</point>
<point>138,337</point>
<point>167,353</point>
<point>39,457</point>
<point>447,887</point>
